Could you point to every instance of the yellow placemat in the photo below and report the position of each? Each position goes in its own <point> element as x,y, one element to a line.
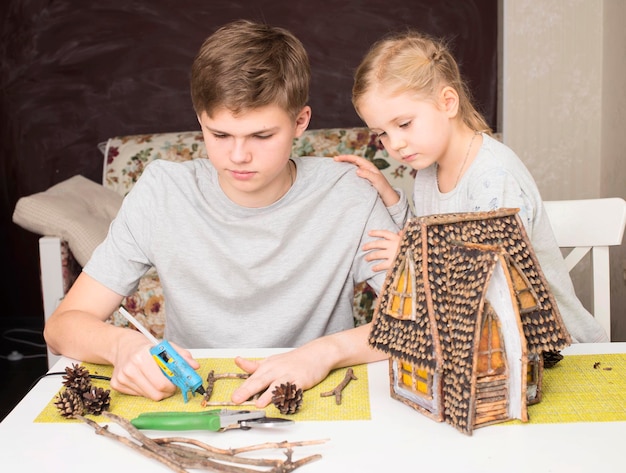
<point>355,404</point>
<point>582,388</point>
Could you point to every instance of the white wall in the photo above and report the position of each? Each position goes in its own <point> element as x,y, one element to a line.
<point>564,107</point>
<point>613,138</point>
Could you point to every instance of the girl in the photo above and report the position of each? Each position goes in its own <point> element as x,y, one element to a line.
<point>409,91</point>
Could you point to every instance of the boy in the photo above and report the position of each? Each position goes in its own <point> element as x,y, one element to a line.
<point>272,246</point>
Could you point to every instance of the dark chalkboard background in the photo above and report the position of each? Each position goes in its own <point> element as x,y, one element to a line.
<point>75,72</point>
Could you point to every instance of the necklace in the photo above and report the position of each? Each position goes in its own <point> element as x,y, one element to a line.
<point>289,164</point>
<point>469,148</point>
<point>458,177</point>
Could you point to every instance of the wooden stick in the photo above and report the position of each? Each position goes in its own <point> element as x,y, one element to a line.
<point>201,456</point>
<point>176,444</point>
<point>183,461</point>
<point>291,465</point>
<point>226,403</point>
<point>340,387</point>
<point>237,451</point>
<point>273,445</point>
<point>104,431</point>
<point>212,377</point>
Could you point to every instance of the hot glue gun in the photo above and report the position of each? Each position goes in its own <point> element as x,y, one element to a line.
<point>171,363</point>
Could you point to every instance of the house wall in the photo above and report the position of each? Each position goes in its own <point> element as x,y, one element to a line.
<point>563,108</point>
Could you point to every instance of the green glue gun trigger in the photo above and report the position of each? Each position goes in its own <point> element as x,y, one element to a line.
<point>171,363</point>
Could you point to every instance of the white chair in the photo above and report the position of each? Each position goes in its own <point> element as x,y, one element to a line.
<point>590,224</point>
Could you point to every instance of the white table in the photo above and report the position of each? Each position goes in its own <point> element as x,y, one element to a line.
<point>395,439</point>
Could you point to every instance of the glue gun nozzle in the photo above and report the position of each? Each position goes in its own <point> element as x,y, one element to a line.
<point>200,390</point>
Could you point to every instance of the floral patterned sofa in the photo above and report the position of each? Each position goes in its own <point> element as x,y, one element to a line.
<point>125,160</point>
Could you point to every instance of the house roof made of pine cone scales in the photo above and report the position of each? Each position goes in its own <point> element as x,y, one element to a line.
<point>435,297</point>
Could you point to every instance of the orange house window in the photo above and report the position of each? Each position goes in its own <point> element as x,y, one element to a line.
<point>532,377</point>
<point>415,380</point>
<point>401,306</point>
<point>491,359</point>
<point>533,370</point>
<point>526,296</point>
<point>402,293</point>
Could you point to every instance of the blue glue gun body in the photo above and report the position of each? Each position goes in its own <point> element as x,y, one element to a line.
<point>176,369</point>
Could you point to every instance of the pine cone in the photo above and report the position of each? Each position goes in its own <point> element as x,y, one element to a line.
<point>287,398</point>
<point>77,378</point>
<point>96,400</point>
<point>551,358</point>
<point>69,403</point>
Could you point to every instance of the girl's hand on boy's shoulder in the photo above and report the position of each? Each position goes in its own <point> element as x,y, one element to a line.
<point>368,170</point>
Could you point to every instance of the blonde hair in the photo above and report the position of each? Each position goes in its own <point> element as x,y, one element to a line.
<point>417,63</point>
<point>246,65</point>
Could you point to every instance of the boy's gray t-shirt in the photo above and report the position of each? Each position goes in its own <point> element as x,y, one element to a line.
<point>497,178</point>
<point>232,276</point>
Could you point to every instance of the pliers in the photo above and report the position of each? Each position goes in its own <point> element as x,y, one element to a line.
<point>216,420</point>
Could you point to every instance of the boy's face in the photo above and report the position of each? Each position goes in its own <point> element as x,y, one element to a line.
<point>250,151</point>
<point>413,131</point>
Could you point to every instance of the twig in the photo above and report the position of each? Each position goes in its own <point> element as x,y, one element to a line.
<point>226,403</point>
<point>212,377</point>
<point>185,461</point>
<point>104,431</point>
<point>200,450</point>
<point>176,453</point>
<point>340,387</point>
<point>237,451</point>
<point>290,465</point>
<point>146,441</point>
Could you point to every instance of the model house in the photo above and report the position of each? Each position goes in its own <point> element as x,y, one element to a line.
<point>465,315</point>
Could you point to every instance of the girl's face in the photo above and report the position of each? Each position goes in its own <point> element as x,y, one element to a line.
<point>251,151</point>
<point>414,131</point>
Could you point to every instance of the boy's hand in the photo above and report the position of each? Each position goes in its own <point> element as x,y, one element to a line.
<point>136,373</point>
<point>295,366</point>
<point>368,170</point>
<point>383,249</point>
<point>305,366</point>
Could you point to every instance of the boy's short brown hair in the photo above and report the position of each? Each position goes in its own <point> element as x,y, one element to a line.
<point>246,65</point>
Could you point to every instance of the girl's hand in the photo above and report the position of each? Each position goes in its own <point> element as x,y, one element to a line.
<point>368,170</point>
<point>383,249</point>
